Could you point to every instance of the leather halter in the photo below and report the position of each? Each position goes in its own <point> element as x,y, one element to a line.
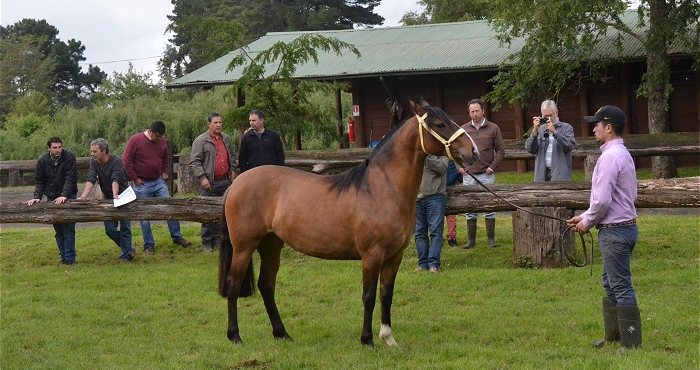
<point>446,143</point>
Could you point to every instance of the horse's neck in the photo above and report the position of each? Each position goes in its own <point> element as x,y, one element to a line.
<point>403,169</point>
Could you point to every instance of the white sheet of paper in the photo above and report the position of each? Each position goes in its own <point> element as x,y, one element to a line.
<point>127,196</point>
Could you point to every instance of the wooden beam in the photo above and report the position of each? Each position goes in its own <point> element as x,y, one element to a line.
<point>668,193</point>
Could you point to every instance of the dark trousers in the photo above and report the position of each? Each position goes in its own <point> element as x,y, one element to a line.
<point>65,237</point>
<point>211,232</point>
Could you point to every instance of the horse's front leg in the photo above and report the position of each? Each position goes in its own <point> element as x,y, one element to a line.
<point>370,277</point>
<point>386,296</point>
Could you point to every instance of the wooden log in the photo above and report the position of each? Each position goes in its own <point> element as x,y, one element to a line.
<point>669,193</point>
<point>201,209</point>
<point>539,240</point>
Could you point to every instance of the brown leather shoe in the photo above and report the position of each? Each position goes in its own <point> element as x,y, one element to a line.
<point>149,251</point>
<point>130,258</point>
<point>183,242</point>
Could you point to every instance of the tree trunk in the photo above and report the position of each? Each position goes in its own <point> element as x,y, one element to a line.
<point>658,83</point>
<point>539,240</point>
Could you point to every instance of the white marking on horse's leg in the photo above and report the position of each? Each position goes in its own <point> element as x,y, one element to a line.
<point>385,335</point>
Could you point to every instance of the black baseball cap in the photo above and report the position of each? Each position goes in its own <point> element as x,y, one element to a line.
<point>607,113</point>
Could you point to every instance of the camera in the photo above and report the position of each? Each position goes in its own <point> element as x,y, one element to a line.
<point>543,120</point>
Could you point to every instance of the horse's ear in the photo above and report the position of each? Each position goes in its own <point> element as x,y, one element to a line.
<point>417,109</point>
<point>424,103</point>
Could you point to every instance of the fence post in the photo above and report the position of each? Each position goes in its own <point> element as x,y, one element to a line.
<point>539,238</point>
<point>169,182</point>
<point>589,165</point>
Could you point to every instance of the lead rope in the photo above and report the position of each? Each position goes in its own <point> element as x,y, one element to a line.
<point>568,228</point>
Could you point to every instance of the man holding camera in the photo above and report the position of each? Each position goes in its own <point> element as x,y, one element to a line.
<point>552,142</point>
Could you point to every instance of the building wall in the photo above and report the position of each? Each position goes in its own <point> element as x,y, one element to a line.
<point>452,91</point>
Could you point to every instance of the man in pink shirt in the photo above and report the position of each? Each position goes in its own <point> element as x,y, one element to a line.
<point>146,161</point>
<point>612,212</point>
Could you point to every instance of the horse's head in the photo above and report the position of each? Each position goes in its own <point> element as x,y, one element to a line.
<point>440,135</point>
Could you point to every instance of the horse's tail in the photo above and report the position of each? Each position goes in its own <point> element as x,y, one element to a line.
<point>225,259</point>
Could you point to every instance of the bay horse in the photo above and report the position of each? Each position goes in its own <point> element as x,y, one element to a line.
<point>366,213</point>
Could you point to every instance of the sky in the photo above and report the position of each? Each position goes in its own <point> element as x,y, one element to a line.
<point>115,32</point>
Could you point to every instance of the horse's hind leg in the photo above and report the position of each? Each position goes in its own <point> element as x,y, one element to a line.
<point>270,249</point>
<point>386,296</point>
<point>241,262</point>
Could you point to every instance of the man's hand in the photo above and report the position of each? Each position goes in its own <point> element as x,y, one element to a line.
<point>205,184</point>
<point>579,227</point>
<point>550,127</point>
<point>32,201</point>
<point>138,182</point>
<point>60,200</point>
<point>535,124</point>
<point>488,172</point>
<point>164,176</point>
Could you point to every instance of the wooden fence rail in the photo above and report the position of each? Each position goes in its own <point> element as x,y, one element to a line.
<point>670,193</point>
<point>322,161</point>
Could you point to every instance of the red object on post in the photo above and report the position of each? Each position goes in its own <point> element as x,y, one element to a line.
<point>351,131</point>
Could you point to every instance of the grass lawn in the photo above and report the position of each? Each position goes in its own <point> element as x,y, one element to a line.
<point>479,312</point>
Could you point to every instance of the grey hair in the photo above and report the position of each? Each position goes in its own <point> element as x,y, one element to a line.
<point>101,143</point>
<point>549,104</point>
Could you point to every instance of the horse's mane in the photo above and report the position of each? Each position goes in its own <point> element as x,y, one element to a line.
<point>354,176</point>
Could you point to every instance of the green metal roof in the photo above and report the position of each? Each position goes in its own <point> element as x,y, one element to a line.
<point>407,50</point>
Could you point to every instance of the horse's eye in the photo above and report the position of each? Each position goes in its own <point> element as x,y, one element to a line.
<point>440,125</point>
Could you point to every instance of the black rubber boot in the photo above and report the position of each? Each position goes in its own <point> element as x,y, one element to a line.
<point>612,329</point>
<point>491,232</point>
<point>471,232</point>
<point>630,323</point>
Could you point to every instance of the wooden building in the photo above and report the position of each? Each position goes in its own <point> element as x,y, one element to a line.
<point>449,64</point>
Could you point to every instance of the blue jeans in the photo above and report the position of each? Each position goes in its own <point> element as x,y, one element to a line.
<point>121,237</point>
<point>616,246</point>
<point>430,219</point>
<point>155,189</point>
<point>486,180</point>
<point>65,237</point>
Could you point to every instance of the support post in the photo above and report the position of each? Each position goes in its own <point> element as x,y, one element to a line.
<point>538,239</point>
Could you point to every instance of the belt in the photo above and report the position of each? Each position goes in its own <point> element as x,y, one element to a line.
<point>617,224</point>
<point>220,178</point>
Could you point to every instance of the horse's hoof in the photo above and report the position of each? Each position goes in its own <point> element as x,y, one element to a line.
<point>386,336</point>
<point>369,343</point>
<point>235,338</point>
<point>284,337</point>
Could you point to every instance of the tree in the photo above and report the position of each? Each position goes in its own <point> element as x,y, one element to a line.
<point>24,71</point>
<point>285,100</point>
<point>562,39</point>
<point>442,11</point>
<point>268,84</point>
<point>71,84</point>
<point>123,87</point>
<point>184,54</point>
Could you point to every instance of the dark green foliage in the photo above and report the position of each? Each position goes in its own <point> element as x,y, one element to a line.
<point>269,86</point>
<point>70,85</point>
<point>184,53</point>
<point>443,11</point>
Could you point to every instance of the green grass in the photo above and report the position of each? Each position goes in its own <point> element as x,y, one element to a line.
<point>479,312</point>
